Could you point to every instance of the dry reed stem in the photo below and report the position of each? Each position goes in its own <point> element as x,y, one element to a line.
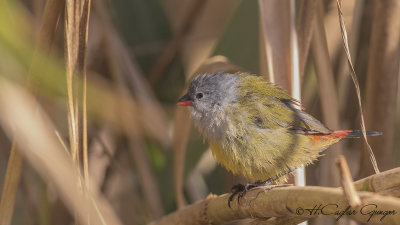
<point>381,92</point>
<point>347,183</point>
<point>283,202</point>
<point>356,85</point>
<point>327,89</point>
<point>276,40</point>
<point>11,183</point>
<point>381,183</point>
<point>385,183</point>
<point>295,88</point>
<point>305,28</point>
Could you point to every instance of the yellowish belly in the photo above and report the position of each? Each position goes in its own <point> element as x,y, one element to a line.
<point>259,158</point>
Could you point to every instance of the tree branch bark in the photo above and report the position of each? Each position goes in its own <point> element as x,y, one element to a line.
<point>295,204</point>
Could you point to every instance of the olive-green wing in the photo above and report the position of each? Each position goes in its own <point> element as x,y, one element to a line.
<point>267,106</point>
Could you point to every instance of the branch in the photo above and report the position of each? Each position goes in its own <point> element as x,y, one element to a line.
<point>291,205</point>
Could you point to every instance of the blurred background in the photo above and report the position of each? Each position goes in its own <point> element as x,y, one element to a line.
<point>92,126</point>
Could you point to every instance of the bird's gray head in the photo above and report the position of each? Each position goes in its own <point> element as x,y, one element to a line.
<point>209,94</point>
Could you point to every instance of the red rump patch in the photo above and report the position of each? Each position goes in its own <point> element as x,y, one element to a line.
<point>341,133</point>
<point>335,134</point>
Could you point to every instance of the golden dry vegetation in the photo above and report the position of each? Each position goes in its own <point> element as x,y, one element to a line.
<point>89,129</point>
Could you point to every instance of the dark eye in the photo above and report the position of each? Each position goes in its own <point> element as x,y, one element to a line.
<point>199,95</point>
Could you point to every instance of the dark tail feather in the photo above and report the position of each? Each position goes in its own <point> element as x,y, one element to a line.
<point>354,133</point>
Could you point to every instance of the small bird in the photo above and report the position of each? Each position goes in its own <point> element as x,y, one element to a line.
<point>256,129</point>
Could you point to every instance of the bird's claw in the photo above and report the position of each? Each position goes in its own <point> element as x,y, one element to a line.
<point>241,190</point>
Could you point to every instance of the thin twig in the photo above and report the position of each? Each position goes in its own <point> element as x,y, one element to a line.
<point>347,183</point>
<point>355,81</point>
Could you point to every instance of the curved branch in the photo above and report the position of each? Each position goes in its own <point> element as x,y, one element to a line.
<point>291,205</point>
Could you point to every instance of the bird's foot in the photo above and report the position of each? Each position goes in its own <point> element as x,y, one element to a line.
<point>240,190</point>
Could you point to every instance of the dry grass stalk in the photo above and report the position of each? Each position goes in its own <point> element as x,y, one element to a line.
<point>356,85</point>
<point>71,56</point>
<point>343,80</point>
<point>76,34</point>
<point>347,183</point>
<point>85,30</point>
<point>11,183</point>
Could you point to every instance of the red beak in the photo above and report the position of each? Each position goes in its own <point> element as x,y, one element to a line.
<point>185,101</point>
